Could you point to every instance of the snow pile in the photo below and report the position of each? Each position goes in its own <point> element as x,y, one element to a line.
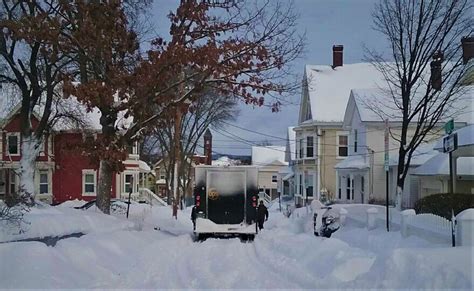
<point>284,255</point>
<point>225,161</point>
<point>72,203</point>
<point>52,221</point>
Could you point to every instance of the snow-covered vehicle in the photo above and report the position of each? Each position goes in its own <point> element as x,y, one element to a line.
<point>226,200</point>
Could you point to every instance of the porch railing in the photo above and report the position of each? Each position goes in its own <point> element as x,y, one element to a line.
<point>150,197</point>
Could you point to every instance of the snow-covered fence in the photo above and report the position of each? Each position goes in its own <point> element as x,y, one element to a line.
<point>426,225</point>
<point>465,228</point>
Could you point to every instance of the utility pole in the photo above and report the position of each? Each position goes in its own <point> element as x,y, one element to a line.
<point>386,158</point>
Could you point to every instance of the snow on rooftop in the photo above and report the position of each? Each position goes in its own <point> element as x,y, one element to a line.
<point>439,166</point>
<point>422,154</point>
<point>465,137</point>
<point>264,155</point>
<point>376,104</point>
<point>329,88</point>
<point>353,162</point>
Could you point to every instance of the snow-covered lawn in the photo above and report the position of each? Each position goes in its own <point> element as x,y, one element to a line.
<point>284,255</point>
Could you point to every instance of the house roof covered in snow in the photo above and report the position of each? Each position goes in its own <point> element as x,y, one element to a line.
<point>439,166</point>
<point>357,162</point>
<point>465,137</point>
<point>423,153</point>
<point>266,155</point>
<point>376,105</point>
<point>329,88</point>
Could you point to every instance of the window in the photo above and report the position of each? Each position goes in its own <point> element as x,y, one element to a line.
<point>43,182</point>
<point>274,178</point>
<point>3,181</point>
<point>89,183</point>
<point>308,181</point>
<point>13,143</point>
<point>301,148</point>
<point>12,182</point>
<point>342,145</point>
<point>362,182</point>
<point>348,188</point>
<point>162,177</point>
<point>355,140</point>
<point>309,147</point>
<point>128,183</point>
<point>301,185</point>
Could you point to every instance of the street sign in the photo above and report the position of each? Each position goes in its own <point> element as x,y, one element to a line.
<point>449,126</point>
<point>450,143</point>
<point>386,139</point>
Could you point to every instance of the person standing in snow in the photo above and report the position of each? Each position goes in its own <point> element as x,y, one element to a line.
<point>262,214</point>
<point>194,216</point>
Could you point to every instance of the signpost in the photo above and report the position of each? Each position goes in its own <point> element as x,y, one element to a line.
<point>450,144</point>
<point>386,158</point>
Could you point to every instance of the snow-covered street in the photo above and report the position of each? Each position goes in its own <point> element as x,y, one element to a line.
<point>284,255</point>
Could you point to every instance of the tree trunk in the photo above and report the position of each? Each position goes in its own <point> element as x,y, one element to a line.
<point>30,148</point>
<point>400,178</point>
<point>104,186</point>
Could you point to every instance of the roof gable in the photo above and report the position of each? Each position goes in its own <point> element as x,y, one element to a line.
<point>329,88</point>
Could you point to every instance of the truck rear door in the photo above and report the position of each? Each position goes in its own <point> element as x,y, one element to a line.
<point>226,191</point>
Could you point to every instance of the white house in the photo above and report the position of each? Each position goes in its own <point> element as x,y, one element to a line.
<point>433,176</point>
<point>361,178</point>
<point>321,141</point>
<point>286,180</point>
<point>269,160</point>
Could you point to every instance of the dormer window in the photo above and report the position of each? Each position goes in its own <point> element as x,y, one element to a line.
<point>13,144</point>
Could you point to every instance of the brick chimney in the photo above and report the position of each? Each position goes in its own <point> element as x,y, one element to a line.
<point>337,57</point>
<point>436,63</point>
<point>208,147</point>
<point>467,44</point>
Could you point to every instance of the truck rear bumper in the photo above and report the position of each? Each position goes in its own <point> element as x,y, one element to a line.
<point>204,225</point>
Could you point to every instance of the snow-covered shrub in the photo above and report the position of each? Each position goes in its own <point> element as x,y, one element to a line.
<point>12,216</point>
<point>441,204</point>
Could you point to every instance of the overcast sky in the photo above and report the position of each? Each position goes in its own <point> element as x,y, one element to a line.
<point>326,22</point>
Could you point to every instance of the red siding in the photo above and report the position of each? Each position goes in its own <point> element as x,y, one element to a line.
<point>67,178</point>
<point>14,126</point>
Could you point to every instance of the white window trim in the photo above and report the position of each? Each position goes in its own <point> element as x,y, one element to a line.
<point>40,172</point>
<point>306,148</point>
<point>135,181</point>
<point>93,172</point>
<point>7,150</point>
<point>338,134</point>
<point>276,178</point>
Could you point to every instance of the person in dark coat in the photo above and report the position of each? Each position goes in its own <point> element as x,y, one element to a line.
<point>193,217</point>
<point>262,214</point>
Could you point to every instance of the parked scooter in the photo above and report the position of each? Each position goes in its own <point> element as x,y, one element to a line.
<point>327,224</point>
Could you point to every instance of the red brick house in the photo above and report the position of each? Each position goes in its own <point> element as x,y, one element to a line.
<point>62,172</point>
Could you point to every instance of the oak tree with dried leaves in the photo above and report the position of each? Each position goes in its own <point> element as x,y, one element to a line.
<point>238,48</point>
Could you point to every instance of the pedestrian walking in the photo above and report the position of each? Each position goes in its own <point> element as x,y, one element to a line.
<point>194,216</point>
<point>262,215</point>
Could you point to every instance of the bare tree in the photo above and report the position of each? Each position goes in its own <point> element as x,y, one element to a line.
<point>424,78</point>
<point>209,110</point>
